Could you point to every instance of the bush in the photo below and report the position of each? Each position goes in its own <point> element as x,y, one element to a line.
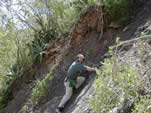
<point>116,82</point>
<point>3,95</point>
<point>124,77</point>
<point>143,105</point>
<point>38,46</point>
<point>14,62</point>
<point>41,89</point>
<point>117,10</point>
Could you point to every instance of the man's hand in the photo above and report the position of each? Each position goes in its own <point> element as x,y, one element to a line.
<point>91,69</point>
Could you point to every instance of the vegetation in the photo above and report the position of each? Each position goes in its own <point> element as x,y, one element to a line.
<point>41,88</point>
<point>26,27</point>
<point>116,83</point>
<point>116,10</point>
<point>143,105</point>
<point>120,80</point>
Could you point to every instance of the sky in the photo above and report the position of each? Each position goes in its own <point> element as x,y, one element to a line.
<point>8,11</point>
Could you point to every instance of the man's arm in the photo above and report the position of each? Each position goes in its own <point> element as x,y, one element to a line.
<point>91,69</point>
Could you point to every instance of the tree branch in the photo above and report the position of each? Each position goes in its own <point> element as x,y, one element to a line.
<point>133,40</point>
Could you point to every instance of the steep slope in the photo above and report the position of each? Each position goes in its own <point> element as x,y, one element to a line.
<point>141,23</point>
<point>79,102</point>
<point>83,38</point>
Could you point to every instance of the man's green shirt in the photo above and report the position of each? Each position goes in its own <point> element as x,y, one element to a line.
<point>75,68</point>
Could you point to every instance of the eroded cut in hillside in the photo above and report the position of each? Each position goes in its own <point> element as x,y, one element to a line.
<point>78,42</point>
<point>83,38</point>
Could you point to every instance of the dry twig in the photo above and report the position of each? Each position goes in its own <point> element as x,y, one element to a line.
<point>133,40</point>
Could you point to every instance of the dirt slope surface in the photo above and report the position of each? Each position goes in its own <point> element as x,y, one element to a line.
<point>83,38</point>
<point>79,102</point>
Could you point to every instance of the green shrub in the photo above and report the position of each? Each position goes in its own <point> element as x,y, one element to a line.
<point>38,48</point>
<point>14,61</point>
<point>3,95</point>
<point>41,89</point>
<point>142,105</point>
<point>115,83</point>
<point>118,10</point>
<point>63,15</point>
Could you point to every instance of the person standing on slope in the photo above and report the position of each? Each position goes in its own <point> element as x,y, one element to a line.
<point>73,80</point>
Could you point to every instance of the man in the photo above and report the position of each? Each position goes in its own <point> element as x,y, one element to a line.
<point>73,80</point>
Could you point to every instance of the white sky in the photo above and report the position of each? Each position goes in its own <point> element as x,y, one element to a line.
<point>10,11</point>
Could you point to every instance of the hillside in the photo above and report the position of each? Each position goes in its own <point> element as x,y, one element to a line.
<point>91,37</point>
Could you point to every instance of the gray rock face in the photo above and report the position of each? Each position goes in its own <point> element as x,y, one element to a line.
<point>79,102</point>
<point>49,107</point>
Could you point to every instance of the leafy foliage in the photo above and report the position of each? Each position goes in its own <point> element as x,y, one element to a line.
<point>3,93</point>
<point>41,89</point>
<point>143,105</point>
<point>26,29</point>
<point>116,83</point>
<point>118,9</point>
<point>39,44</point>
<point>15,59</point>
<point>7,58</point>
<point>124,77</point>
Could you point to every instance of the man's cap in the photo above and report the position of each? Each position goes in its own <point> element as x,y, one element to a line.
<point>80,56</point>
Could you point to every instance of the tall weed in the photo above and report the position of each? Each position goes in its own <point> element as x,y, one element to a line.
<point>41,89</point>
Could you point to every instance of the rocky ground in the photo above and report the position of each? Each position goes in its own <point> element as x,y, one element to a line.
<point>83,38</point>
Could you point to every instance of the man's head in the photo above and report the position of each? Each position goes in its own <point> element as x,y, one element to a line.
<point>80,57</point>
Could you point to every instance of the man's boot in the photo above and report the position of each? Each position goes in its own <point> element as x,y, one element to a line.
<point>59,109</point>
